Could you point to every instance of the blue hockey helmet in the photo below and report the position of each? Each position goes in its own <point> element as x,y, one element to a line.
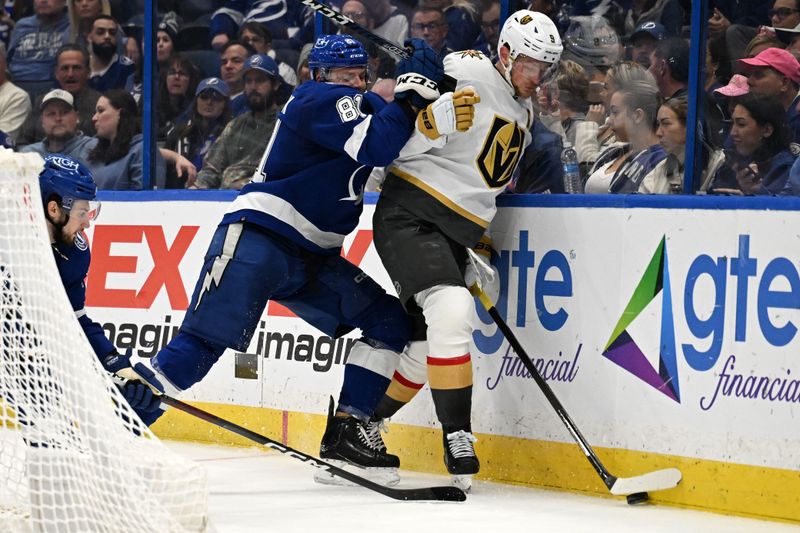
<point>336,51</point>
<point>69,179</point>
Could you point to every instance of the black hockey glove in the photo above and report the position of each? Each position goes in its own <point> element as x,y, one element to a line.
<point>418,76</point>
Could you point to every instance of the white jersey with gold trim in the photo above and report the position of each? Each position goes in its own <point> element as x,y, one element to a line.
<point>466,171</point>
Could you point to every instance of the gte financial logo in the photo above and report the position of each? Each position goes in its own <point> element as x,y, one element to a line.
<point>545,277</point>
<point>709,330</point>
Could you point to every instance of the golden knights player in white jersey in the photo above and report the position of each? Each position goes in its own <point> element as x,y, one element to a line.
<point>438,200</point>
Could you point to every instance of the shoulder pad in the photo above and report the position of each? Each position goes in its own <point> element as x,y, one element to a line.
<point>475,54</point>
<point>469,64</point>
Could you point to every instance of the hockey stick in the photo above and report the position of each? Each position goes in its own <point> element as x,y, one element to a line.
<point>447,494</point>
<point>636,486</point>
<point>347,23</point>
<point>448,83</point>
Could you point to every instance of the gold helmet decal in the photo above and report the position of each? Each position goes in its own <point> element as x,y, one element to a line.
<point>526,19</point>
<point>501,152</point>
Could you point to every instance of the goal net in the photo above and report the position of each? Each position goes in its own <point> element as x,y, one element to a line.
<point>73,455</point>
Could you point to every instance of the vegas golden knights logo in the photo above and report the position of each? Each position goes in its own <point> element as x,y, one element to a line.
<point>501,152</point>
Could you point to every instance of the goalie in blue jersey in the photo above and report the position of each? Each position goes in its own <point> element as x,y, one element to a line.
<point>281,238</point>
<point>68,196</point>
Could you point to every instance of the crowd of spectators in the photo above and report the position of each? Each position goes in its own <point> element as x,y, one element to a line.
<point>71,82</point>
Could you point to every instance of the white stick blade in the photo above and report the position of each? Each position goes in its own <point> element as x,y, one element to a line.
<point>658,480</point>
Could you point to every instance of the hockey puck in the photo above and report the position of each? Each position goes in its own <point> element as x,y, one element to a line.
<point>637,498</point>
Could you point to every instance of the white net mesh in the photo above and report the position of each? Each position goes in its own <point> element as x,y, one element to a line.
<point>73,455</point>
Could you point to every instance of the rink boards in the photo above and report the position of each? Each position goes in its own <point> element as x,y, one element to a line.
<point>667,328</point>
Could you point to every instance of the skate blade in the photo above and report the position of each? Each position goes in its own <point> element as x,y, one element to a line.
<point>383,476</point>
<point>462,481</point>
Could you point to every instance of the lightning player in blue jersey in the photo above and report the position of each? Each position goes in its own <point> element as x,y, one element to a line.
<point>281,238</point>
<point>68,195</point>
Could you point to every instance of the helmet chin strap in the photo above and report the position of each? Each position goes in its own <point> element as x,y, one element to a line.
<point>507,72</point>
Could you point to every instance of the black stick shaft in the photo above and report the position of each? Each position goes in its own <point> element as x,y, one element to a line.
<point>425,493</point>
<point>346,22</point>
<point>601,470</point>
<point>447,84</point>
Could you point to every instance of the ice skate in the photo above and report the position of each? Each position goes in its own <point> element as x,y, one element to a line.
<point>349,442</point>
<point>460,458</point>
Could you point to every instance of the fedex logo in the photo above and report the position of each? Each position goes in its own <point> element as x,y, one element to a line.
<point>166,256</point>
<point>165,273</point>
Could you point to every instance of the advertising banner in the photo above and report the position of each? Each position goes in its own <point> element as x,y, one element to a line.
<point>672,331</point>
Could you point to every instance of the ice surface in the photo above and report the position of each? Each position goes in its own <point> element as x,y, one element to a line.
<point>257,490</point>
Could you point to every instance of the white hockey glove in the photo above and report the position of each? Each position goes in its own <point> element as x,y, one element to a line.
<point>481,272</point>
<point>137,383</point>
<point>450,113</point>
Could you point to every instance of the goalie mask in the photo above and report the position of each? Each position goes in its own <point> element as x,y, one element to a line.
<point>69,180</point>
<point>534,35</point>
<point>336,51</point>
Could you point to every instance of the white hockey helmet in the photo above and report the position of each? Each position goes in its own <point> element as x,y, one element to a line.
<point>533,34</point>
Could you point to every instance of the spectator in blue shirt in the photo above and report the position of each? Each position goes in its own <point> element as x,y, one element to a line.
<point>35,40</point>
<point>109,69</point>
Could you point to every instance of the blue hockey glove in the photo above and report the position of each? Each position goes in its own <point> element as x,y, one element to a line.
<point>418,76</point>
<point>138,382</point>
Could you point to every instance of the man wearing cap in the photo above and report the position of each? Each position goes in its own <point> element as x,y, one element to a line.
<point>267,67</point>
<point>109,69</point>
<point>15,105</point>
<point>207,117</point>
<point>776,73</point>
<point>59,120</point>
<point>643,41</point>
<point>234,156</point>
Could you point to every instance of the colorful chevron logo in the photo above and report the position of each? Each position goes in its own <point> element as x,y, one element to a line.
<point>621,348</point>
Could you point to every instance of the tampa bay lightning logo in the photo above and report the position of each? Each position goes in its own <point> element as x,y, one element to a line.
<point>80,242</point>
<point>353,195</point>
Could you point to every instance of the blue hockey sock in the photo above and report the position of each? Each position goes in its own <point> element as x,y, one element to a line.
<point>361,391</point>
